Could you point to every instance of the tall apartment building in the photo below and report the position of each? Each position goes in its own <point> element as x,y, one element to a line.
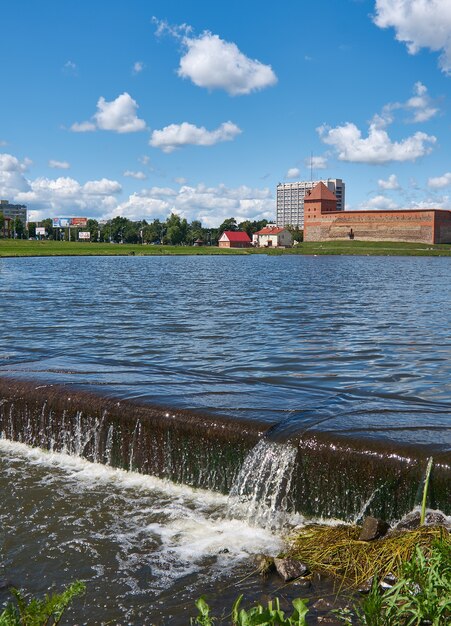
<point>290,199</point>
<point>13,210</point>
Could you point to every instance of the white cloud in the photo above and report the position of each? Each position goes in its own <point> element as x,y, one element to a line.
<point>83,127</point>
<point>210,205</point>
<point>438,182</point>
<point>3,143</point>
<point>12,179</point>
<point>52,197</point>
<point>103,187</point>
<point>119,115</point>
<point>48,197</point>
<point>178,135</point>
<point>377,147</point>
<point>390,183</point>
<point>59,165</point>
<point>70,68</point>
<point>293,172</point>
<point>420,104</point>
<point>316,162</point>
<point>145,160</point>
<point>138,67</point>
<point>379,203</point>
<point>419,24</point>
<point>214,63</point>
<point>137,175</point>
<point>181,180</point>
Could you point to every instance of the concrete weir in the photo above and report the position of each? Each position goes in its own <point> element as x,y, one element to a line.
<point>332,476</point>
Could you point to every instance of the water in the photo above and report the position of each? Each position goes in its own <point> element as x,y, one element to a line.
<point>146,547</point>
<point>349,355</point>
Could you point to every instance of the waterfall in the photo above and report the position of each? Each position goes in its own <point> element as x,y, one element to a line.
<point>261,490</point>
<point>319,475</point>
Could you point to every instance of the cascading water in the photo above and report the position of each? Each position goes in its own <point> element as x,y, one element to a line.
<point>261,491</point>
<point>314,475</point>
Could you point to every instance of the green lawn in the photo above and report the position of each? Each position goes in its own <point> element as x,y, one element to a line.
<point>18,247</point>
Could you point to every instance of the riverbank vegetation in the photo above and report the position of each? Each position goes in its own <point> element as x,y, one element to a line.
<point>24,248</point>
<point>47,611</point>
<point>336,551</point>
<point>419,595</point>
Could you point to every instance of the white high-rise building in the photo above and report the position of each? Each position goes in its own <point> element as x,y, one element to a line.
<point>290,199</point>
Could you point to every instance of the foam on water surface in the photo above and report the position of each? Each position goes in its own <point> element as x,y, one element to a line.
<point>104,524</point>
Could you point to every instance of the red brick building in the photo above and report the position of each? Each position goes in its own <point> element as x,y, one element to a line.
<point>322,222</point>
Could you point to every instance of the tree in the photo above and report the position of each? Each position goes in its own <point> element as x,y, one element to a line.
<point>118,227</point>
<point>18,228</point>
<point>176,229</point>
<point>228,224</point>
<point>153,233</point>
<point>195,231</point>
<point>32,229</point>
<point>48,225</point>
<point>93,227</point>
<point>252,227</point>
<point>297,233</point>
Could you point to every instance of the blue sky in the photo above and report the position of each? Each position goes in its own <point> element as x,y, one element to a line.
<point>140,108</point>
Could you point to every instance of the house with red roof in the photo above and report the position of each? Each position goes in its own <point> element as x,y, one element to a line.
<point>234,239</point>
<point>274,237</point>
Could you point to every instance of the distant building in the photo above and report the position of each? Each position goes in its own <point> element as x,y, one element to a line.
<point>6,230</point>
<point>274,237</point>
<point>324,223</point>
<point>234,239</point>
<point>290,199</point>
<point>13,210</point>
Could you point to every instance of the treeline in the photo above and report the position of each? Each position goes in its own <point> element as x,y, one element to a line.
<point>174,231</point>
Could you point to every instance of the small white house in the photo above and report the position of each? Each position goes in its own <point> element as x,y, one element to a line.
<point>274,237</point>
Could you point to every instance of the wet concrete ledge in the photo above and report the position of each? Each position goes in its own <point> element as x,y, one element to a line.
<point>334,476</point>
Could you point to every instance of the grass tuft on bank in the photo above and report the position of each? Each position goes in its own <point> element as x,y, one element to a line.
<point>336,551</point>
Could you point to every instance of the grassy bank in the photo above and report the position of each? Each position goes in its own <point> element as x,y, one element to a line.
<point>20,248</point>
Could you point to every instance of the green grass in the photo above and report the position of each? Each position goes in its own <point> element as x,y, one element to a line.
<point>19,248</point>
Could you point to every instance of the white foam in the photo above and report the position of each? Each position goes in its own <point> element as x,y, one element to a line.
<point>188,529</point>
<point>91,475</point>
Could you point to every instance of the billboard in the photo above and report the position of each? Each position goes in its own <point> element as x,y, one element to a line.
<point>80,222</point>
<point>61,222</point>
<point>40,230</point>
<point>65,222</point>
<point>84,234</point>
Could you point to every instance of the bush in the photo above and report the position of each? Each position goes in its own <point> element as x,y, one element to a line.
<point>45,612</point>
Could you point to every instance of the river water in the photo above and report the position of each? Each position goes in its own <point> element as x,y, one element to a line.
<point>358,347</point>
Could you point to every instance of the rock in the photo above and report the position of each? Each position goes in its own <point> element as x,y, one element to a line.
<point>4,584</point>
<point>304,583</point>
<point>373,528</point>
<point>265,564</point>
<point>289,569</point>
<point>322,605</point>
<point>366,586</point>
<point>388,581</point>
<point>411,521</point>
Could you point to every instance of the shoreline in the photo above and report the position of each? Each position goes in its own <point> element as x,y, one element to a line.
<point>25,248</point>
